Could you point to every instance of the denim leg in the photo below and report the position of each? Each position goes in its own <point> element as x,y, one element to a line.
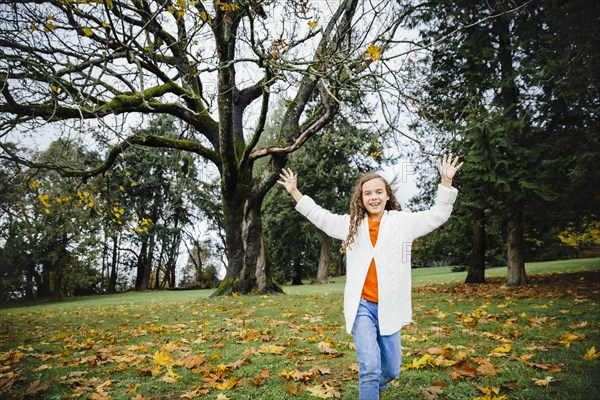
<point>391,358</point>
<point>365,334</point>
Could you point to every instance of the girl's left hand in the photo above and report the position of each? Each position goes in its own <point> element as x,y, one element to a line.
<point>448,167</point>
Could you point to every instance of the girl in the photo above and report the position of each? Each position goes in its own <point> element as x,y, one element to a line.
<point>377,240</point>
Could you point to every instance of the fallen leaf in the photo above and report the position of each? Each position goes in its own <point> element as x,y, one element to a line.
<point>432,392</point>
<point>194,394</point>
<point>486,368</point>
<point>325,348</point>
<point>543,382</point>
<point>36,388</point>
<point>567,337</point>
<point>131,388</point>
<point>463,369</point>
<point>591,354</point>
<point>324,391</point>
<point>271,349</point>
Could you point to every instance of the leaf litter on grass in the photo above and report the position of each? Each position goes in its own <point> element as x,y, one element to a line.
<point>296,345</point>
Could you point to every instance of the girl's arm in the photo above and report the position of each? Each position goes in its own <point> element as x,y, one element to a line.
<point>421,223</point>
<point>334,225</point>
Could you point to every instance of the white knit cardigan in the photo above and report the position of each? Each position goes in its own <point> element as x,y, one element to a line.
<point>392,251</point>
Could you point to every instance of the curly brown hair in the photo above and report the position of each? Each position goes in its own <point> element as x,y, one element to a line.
<point>357,209</point>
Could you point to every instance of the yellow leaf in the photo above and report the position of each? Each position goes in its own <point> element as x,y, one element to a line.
<point>205,17</point>
<point>87,31</point>
<point>567,337</point>
<point>373,53</point>
<point>221,396</point>
<point>271,349</point>
<point>49,26</point>
<point>227,384</point>
<point>163,358</point>
<point>543,382</point>
<point>312,24</point>
<point>591,354</point>
<point>33,28</point>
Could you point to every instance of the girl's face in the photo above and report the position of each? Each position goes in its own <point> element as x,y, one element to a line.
<point>374,197</point>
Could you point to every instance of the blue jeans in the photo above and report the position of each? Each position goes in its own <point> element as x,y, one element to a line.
<point>379,357</point>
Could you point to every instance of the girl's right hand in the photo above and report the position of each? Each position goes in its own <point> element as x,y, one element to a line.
<point>289,180</point>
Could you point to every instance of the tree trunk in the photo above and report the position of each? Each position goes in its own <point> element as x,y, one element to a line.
<point>142,279</point>
<point>322,272</point>
<point>297,278</point>
<point>476,273</point>
<point>509,100</point>
<point>30,274</point>
<point>248,269</point>
<point>340,267</point>
<point>44,283</point>
<point>516,248</point>
<point>112,283</point>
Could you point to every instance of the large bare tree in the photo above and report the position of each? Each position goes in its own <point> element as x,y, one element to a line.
<point>216,65</point>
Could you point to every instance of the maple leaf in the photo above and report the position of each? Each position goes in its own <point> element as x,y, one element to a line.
<point>238,363</point>
<point>324,391</point>
<point>567,337</point>
<point>170,376</point>
<point>463,369</point>
<point>373,53</point>
<point>291,388</point>
<point>581,325</point>
<point>432,392</point>
<point>325,348</point>
<point>318,370</point>
<point>193,361</point>
<point>420,363</point>
<point>194,393</point>
<point>543,382</point>
<point>486,368</point>
<point>591,354</point>
<point>260,378</point>
<point>312,24</point>
<point>132,388</point>
<point>271,349</point>
<point>162,358</point>
<point>501,351</point>
<point>546,367</point>
<point>36,389</point>
<point>221,396</point>
<point>227,384</point>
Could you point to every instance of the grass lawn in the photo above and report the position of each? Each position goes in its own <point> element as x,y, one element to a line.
<point>535,342</point>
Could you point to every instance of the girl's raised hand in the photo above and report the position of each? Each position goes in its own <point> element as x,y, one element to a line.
<point>288,179</point>
<point>448,168</point>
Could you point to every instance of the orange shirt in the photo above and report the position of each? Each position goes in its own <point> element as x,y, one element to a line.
<point>370,290</point>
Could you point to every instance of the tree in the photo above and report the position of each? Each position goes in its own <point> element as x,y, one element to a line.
<point>49,227</point>
<point>490,91</point>
<point>213,65</point>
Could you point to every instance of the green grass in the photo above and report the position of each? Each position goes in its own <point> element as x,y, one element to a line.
<point>92,346</point>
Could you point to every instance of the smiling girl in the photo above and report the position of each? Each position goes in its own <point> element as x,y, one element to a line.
<point>377,240</point>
